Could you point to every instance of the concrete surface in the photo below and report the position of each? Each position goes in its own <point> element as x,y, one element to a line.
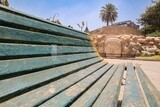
<point>151,68</point>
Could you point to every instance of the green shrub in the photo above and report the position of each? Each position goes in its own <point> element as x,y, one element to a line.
<point>147,30</point>
<point>154,34</point>
<point>150,20</point>
<point>143,55</point>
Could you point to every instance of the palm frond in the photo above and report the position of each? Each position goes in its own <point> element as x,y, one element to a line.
<point>108,13</point>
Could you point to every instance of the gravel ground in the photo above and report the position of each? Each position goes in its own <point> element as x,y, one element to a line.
<point>151,68</point>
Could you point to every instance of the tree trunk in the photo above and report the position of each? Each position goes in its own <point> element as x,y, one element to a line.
<point>107,23</point>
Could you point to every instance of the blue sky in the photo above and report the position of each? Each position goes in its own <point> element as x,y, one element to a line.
<point>72,12</point>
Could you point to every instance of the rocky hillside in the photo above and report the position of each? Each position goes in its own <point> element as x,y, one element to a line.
<point>115,30</point>
<point>122,41</point>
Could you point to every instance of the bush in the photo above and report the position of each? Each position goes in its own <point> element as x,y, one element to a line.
<point>143,55</point>
<point>147,30</point>
<point>154,34</point>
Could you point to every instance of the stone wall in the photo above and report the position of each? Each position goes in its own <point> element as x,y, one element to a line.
<point>127,45</point>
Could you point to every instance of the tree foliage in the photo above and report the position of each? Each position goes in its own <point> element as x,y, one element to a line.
<point>150,20</point>
<point>53,20</point>
<point>81,26</point>
<point>108,13</point>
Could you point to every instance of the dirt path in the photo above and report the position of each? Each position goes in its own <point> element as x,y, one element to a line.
<point>151,68</point>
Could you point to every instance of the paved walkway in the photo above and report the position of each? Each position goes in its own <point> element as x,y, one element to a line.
<point>151,68</point>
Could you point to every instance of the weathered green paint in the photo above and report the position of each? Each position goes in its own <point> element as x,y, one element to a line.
<point>60,79</point>
<point>41,94</point>
<point>36,18</point>
<point>132,94</point>
<point>88,98</point>
<point>28,64</point>
<point>109,95</point>
<point>67,96</point>
<point>12,34</point>
<point>8,49</point>
<point>13,85</point>
<point>150,91</point>
<point>14,17</point>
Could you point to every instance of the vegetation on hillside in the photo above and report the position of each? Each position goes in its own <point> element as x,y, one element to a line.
<point>155,58</point>
<point>109,13</point>
<point>154,34</point>
<point>53,20</point>
<point>81,26</point>
<point>150,20</point>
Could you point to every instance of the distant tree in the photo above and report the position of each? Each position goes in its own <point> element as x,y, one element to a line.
<point>150,20</point>
<point>86,29</point>
<point>108,13</point>
<point>81,26</point>
<point>56,21</point>
<point>4,2</point>
<point>53,20</point>
<point>55,16</point>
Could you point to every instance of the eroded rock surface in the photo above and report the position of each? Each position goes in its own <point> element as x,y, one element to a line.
<point>128,45</point>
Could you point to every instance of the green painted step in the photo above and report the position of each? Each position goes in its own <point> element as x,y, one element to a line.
<point>132,93</point>
<point>66,97</point>
<point>109,95</point>
<point>10,49</point>
<point>150,91</point>
<point>22,36</point>
<point>46,92</point>
<point>13,18</point>
<point>34,17</point>
<point>90,96</point>
<point>27,65</point>
<point>12,85</point>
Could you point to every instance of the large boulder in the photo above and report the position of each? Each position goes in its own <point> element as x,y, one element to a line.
<point>132,43</point>
<point>94,39</point>
<point>134,39</point>
<point>140,37</point>
<point>146,53</point>
<point>100,47</point>
<point>118,36</point>
<point>153,49</point>
<point>101,37</point>
<point>150,39</point>
<point>137,47</point>
<point>156,40</point>
<point>138,53</point>
<point>125,50</point>
<point>125,38</point>
<point>113,47</point>
<point>142,41</point>
<point>158,46</point>
<point>151,43</point>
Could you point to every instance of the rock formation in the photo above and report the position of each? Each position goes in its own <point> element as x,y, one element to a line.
<point>127,45</point>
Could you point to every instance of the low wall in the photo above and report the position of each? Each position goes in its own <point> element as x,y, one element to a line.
<point>126,45</point>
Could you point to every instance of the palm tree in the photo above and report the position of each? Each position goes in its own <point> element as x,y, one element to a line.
<point>108,13</point>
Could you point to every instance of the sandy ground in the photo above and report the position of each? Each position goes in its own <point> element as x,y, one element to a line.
<point>151,68</point>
